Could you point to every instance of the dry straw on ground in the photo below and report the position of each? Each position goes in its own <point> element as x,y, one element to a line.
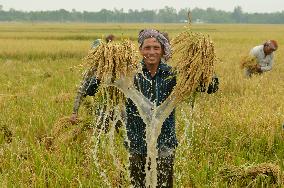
<point>252,175</point>
<point>63,133</point>
<point>7,133</point>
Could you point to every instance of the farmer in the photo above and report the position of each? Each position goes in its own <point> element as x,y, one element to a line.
<point>264,55</point>
<point>110,38</point>
<point>156,83</point>
<point>87,85</point>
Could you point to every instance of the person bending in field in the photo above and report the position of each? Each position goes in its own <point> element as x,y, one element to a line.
<point>108,38</point>
<point>264,55</point>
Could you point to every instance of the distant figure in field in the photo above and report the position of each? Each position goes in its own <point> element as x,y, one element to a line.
<point>108,38</point>
<point>264,55</point>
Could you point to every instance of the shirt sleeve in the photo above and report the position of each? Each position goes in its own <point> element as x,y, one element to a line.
<point>254,52</point>
<point>89,87</point>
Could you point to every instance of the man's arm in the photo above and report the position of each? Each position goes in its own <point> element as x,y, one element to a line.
<point>89,87</point>
<point>268,66</point>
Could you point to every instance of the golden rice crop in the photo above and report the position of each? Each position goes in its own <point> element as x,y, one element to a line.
<point>111,61</point>
<point>193,57</point>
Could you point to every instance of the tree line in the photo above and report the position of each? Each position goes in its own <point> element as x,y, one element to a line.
<point>164,15</point>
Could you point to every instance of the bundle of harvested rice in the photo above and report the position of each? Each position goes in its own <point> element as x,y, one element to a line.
<point>250,63</point>
<point>111,61</point>
<point>265,173</point>
<point>64,133</point>
<point>193,58</point>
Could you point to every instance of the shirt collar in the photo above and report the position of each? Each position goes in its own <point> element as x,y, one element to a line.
<point>162,66</point>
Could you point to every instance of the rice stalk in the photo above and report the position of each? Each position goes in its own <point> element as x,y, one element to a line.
<point>193,59</point>
<point>111,61</point>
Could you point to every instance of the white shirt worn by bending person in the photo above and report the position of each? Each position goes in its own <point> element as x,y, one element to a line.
<point>265,61</point>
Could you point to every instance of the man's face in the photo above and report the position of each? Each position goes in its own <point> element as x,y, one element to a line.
<point>152,51</point>
<point>267,50</point>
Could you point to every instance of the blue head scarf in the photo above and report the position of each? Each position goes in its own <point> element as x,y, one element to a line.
<point>149,33</point>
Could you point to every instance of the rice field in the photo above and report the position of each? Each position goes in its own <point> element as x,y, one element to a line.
<point>234,137</point>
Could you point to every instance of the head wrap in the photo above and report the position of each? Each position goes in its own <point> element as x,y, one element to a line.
<point>272,44</point>
<point>110,38</point>
<point>150,33</point>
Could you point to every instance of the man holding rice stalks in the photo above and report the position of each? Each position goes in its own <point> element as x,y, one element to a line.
<point>153,94</point>
<point>260,58</point>
<point>193,60</point>
<point>155,82</point>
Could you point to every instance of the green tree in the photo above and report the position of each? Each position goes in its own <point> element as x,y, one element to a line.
<point>238,14</point>
<point>167,15</point>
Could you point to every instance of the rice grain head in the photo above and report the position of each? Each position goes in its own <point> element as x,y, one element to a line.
<point>193,59</point>
<point>111,61</point>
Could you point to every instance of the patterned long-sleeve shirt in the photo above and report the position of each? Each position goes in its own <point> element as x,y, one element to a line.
<point>88,87</point>
<point>157,89</point>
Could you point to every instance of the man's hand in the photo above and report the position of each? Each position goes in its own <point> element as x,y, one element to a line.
<point>73,118</point>
<point>258,68</point>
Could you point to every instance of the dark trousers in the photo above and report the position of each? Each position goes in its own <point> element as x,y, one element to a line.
<point>164,171</point>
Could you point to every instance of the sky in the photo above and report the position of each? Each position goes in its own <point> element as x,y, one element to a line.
<point>250,6</point>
